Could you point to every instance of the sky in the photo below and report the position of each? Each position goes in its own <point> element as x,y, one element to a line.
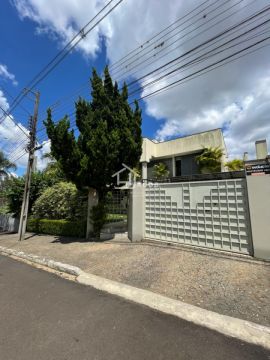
<point>234,97</point>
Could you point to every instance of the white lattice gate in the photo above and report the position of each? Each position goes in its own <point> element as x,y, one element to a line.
<point>211,214</point>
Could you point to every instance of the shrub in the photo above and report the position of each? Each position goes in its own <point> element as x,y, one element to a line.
<point>57,227</point>
<point>235,165</point>
<point>14,188</point>
<point>210,160</point>
<point>61,201</point>
<point>160,171</point>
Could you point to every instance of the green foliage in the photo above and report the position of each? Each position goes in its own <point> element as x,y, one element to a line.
<point>53,168</point>
<point>235,165</point>
<point>115,217</point>
<point>209,160</point>
<point>60,201</point>
<point>109,135</point>
<point>57,227</point>
<point>160,171</point>
<point>15,188</point>
<point>98,217</point>
<point>5,164</point>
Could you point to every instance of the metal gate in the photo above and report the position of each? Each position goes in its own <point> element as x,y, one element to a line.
<point>212,214</point>
<point>117,204</point>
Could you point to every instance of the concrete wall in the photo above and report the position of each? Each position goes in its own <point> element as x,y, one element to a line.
<point>8,223</point>
<point>212,214</point>
<point>259,204</point>
<point>181,146</point>
<point>136,213</point>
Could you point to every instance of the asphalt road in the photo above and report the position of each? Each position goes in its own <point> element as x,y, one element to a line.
<point>46,317</point>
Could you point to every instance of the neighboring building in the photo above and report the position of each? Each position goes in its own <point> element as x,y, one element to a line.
<point>179,154</point>
<point>260,165</point>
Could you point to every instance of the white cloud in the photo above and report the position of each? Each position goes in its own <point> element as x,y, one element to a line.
<point>11,136</point>
<point>7,75</point>
<point>13,142</point>
<point>233,97</point>
<point>41,161</point>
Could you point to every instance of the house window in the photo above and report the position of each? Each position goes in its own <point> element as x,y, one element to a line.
<point>178,171</point>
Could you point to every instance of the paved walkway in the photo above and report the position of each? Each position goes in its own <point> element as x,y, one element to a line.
<point>230,286</point>
<point>46,317</point>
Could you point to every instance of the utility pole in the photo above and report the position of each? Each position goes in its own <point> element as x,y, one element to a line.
<point>30,164</point>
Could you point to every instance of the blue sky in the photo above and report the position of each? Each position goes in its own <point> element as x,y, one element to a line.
<point>234,97</point>
<point>25,53</point>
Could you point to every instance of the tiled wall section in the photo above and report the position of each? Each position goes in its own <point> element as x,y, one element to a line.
<point>210,214</point>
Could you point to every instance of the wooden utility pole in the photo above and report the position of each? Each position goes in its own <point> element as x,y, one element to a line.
<point>31,150</point>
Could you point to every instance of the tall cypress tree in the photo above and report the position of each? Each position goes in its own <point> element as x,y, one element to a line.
<point>109,135</point>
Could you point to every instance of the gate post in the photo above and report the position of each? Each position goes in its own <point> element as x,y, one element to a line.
<point>259,207</point>
<point>136,217</point>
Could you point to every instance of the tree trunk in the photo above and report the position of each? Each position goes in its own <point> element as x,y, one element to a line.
<point>92,201</point>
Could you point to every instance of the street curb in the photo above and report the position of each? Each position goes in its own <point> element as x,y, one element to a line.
<point>240,329</point>
<point>69,269</point>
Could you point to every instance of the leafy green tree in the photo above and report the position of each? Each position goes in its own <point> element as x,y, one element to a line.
<point>5,164</point>
<point>53,168</point>
<point>209,160</point>
<point>160,171</point>
<point>109,135</point>
<point>15,187</point>
<point>60,201</point>
<point>235,165</point>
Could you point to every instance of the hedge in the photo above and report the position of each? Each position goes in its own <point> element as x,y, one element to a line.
<point>57,227</point>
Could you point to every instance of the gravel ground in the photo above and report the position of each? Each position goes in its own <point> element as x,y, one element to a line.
<point>238,287</point>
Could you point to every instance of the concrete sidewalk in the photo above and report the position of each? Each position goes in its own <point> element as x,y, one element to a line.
<point>232,286</point>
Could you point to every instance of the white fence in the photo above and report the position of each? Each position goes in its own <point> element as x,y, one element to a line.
<point>205,213</point>
<point>8,223</point>
<point>212,214</point>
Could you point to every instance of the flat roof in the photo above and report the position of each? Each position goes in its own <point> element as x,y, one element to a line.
<point>182,137</point>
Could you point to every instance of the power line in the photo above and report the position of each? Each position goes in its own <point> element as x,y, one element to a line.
<point>146,44</point>
<point>205,56</point>
<point>202,57</point>
<point>142,63</point>
<point>153,57</point>
<point>155,69</point>
<point>63,53</point>
<point>11,118</point>
<point>205,68</point>
<point>227,32</point>
<point>5,91</point>
<point>202,11</point>
<point>203,71</point>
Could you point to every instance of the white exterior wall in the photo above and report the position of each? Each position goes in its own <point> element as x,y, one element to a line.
<point>259,204</point>
<point>182,146</point>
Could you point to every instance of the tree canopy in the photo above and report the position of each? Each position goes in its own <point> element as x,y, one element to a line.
<point>209,160</point>
<point>109,135</point>
<point>160,171</point>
